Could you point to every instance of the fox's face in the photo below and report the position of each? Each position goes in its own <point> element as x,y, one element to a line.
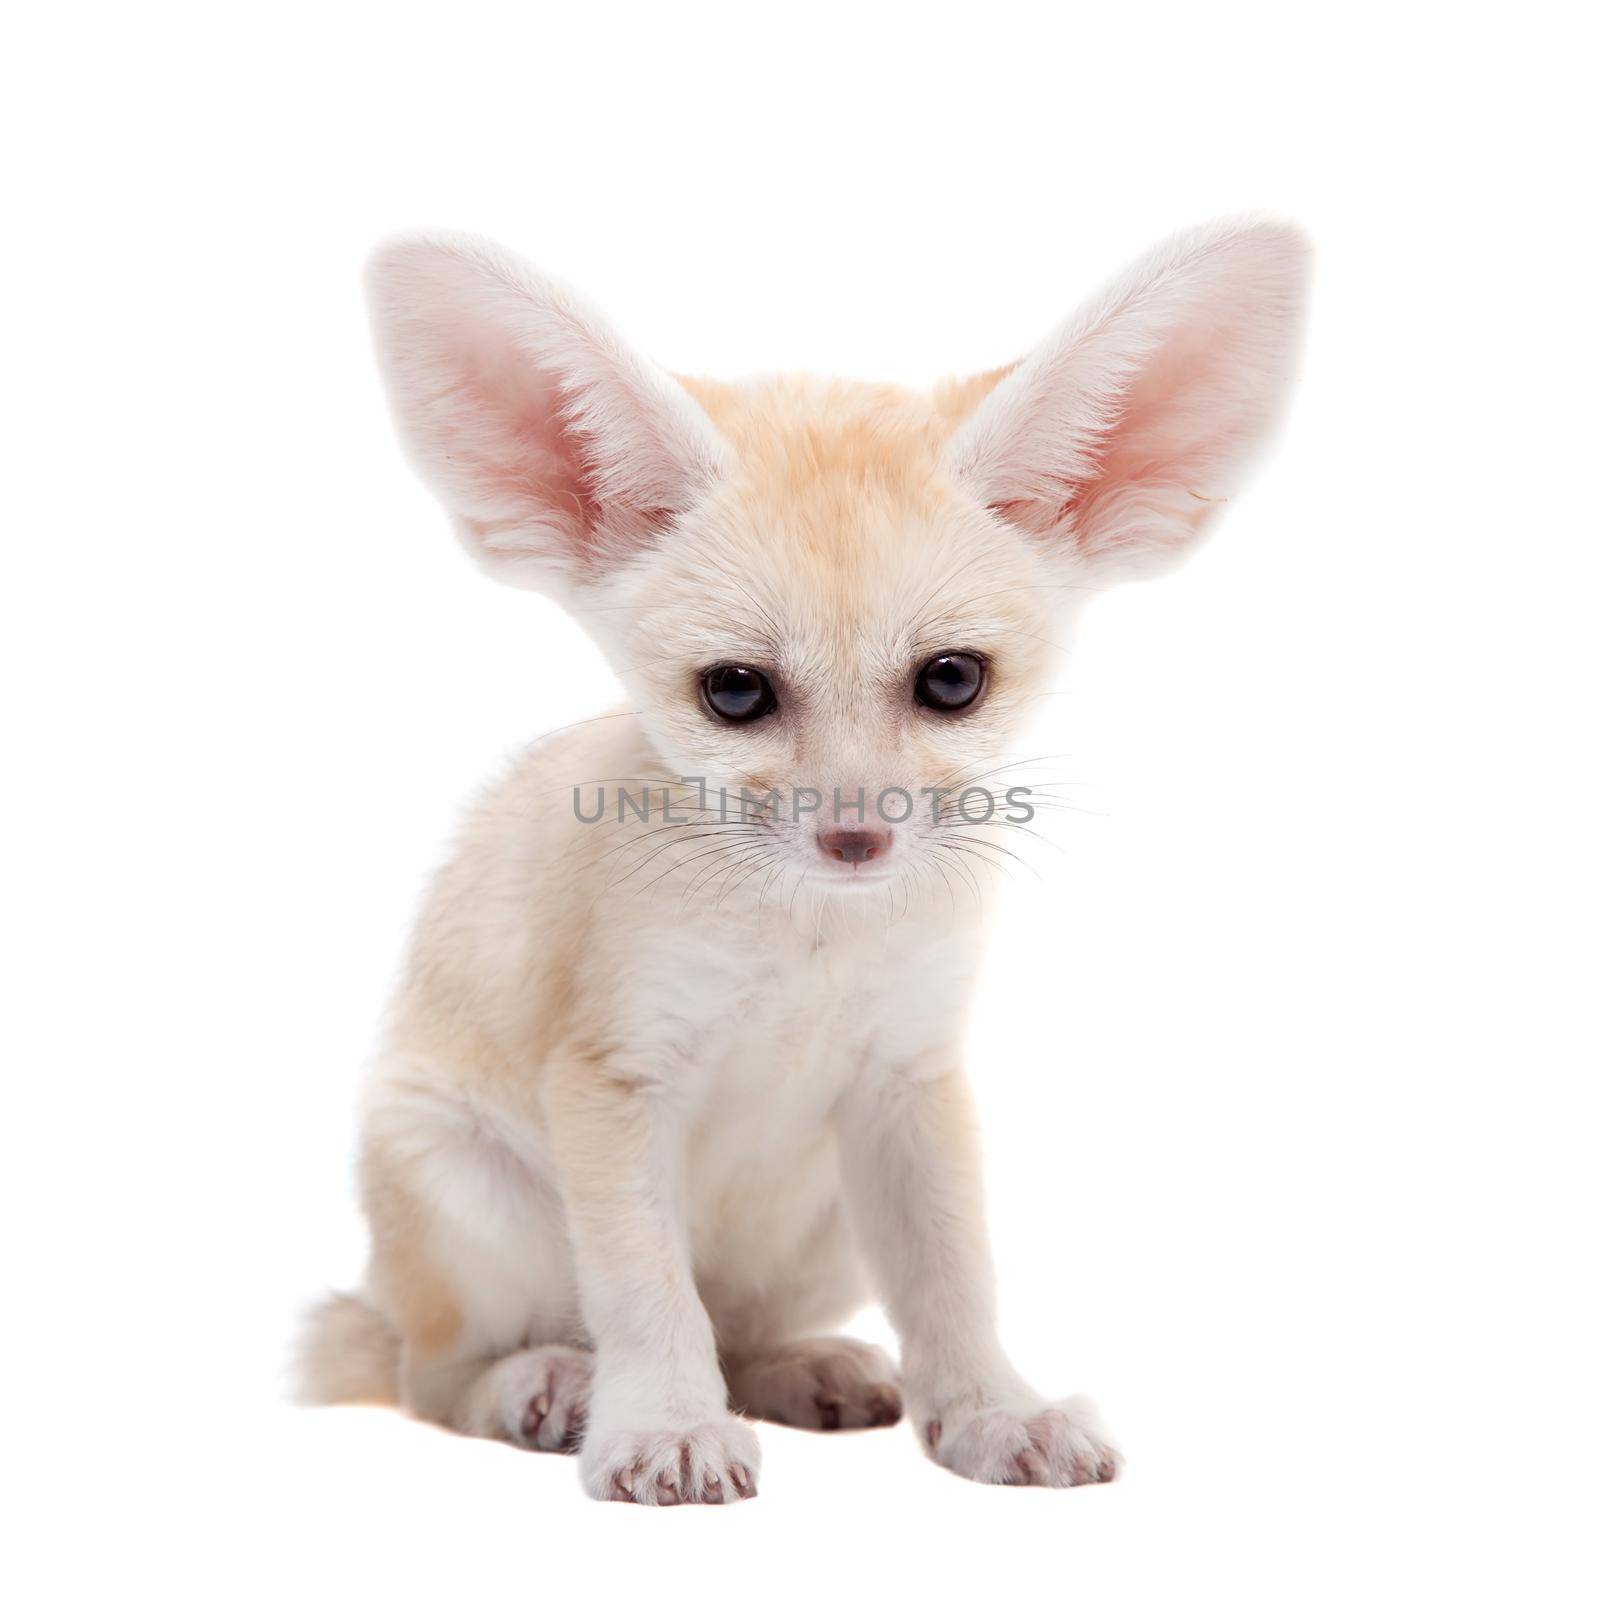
<point>834,625</point>
<point>838,601</point>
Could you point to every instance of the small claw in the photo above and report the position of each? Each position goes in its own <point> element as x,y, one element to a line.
<point>712,1489</point>
<point>741,1481</point>
<point>667,1491</point>
<point>533,1417</point>
<point>934,1430</point>
<point>886,1407</point>
<point>1031,1466</point>
<point>621,1485</point>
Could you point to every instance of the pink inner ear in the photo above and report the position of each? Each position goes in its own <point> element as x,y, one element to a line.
<point>553,446</point>
<point>1182,419</point>
<point>1184,427</point>
<point>509,436</point>
<point>1126,432</point>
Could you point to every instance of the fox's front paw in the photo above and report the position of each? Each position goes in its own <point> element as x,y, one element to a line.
<point>1058,1444</point>
<point>713,1463</point>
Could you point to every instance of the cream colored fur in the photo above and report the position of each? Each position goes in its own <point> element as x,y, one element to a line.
<point>661,1104</point>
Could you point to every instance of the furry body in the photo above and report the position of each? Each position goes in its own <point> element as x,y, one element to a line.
<point>662,1102</point>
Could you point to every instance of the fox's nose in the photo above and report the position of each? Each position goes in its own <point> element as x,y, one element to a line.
<point>854,845</point>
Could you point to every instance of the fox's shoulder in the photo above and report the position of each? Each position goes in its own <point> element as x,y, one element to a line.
<point>506,907</point>
<point>547,780</point>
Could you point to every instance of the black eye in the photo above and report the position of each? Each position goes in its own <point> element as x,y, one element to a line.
<point>738,694</point>
<point>949,683</point>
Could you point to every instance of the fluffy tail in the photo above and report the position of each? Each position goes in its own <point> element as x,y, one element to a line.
<point>348,1355</point>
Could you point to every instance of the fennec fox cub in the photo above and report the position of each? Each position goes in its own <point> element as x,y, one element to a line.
<point>673,1082</point>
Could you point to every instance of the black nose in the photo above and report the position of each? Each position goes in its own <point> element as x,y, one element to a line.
<point>853,844</point>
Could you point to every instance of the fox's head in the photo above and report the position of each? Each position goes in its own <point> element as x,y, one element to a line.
<point>837,589</point>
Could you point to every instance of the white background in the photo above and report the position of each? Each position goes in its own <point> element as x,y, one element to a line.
<point>1286,1067</point>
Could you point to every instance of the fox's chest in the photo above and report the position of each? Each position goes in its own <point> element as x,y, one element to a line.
<point>786,1035</point>
<point>779,1056</point>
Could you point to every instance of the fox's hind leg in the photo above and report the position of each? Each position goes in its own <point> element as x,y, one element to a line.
<point>537,1398</point>
<point>828,1382</point>
<point>779,1368</point>
<point>472,1268</point>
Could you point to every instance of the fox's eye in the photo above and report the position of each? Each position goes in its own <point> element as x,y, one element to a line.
<point>738,694</point>
<point>949,683</point>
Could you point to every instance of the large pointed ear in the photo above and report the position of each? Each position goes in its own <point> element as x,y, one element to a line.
<point>555,448</point>
<point>1126,430</point>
